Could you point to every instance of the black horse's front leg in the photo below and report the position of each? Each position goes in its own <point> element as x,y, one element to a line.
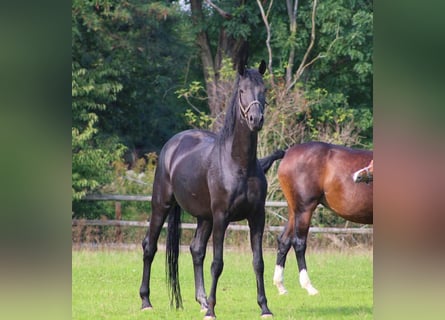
<point>256,240</point>
<point>219,229</point>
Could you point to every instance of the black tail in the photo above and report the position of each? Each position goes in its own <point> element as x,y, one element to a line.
<point>172,255</point>
<point>267,162</point>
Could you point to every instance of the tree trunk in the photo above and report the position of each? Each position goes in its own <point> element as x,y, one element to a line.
<point>212,64</point>
<point>205,51</point>
<point>292,13</point>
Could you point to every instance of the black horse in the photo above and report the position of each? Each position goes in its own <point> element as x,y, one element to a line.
<point>218,179</point>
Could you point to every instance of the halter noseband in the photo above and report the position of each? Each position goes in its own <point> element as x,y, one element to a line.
<point>244,111</point>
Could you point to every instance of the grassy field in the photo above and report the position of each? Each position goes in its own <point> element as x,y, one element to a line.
<point>105,285</point>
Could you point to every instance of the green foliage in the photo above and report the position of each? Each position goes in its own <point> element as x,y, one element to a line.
<point>137,181</point>
<point>329,118</point>
<point>244,18</point>
<point>200,120</point>
<point>148,45</point>
<point>91,156</point>
<point>343,41</point>
<point>194,94</point>
<point>347,65</point>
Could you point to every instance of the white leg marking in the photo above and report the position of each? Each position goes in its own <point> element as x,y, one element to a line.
<point>278,279</point>
<point>355,175</point>
<point>305,283</point>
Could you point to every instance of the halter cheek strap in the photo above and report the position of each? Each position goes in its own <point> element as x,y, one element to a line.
<point>245,110</point>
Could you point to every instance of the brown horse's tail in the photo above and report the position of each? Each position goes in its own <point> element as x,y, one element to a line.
<point>172,255</point>
<point>267,162</point>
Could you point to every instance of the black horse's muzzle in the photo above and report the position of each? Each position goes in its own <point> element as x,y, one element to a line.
<point>253,114</point>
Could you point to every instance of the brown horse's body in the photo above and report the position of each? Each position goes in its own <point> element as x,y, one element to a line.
<point>319,173</point>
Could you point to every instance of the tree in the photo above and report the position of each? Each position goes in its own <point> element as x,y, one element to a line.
<point>92,157</point>
<point>321,55</point>
<point>149,44</point>
<point>221,34</point>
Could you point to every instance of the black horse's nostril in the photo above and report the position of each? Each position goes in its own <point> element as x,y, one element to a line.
<point>251,119</point>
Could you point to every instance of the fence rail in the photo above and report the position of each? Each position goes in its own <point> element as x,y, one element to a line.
<point>236,227</point>
<point>120,197</point>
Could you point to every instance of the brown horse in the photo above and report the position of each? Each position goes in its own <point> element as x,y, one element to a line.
<point>319,173</point>
<point>365,174</point>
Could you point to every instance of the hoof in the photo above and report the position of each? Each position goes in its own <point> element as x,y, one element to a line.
<point>281,289</point>
<point>267,316</point>
<point>146,308</point>
<point>312,291</point>
<point>209,318</point>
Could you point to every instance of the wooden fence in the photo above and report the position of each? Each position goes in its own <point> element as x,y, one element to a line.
<point>237,227</point>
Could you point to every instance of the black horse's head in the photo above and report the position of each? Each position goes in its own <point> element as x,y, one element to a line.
<point>251,96</point>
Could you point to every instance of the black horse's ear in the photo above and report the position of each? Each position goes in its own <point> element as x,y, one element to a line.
<point>241,68</point>
<point>262,67</point>
<point>242,58</point>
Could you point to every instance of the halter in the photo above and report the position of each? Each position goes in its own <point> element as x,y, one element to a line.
<point>246,110</point>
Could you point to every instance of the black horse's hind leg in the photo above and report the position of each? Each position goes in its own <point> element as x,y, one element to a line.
<point>256,226</point>
<point>284,245</point>
<point>198,250</point>
<point>149,247</point>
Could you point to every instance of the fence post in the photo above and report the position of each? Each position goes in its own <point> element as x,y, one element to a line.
<point>118,216</point>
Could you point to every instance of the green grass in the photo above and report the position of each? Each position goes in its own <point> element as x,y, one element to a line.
<point>105,285</point>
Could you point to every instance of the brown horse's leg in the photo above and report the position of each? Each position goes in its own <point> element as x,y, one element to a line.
<point>198,250</point>
<point>302,223</point>
<point>256,226</point>
<point>219,229</point>
<point>287,183</point>
<point>284,245</point>
<point>149,247</point>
